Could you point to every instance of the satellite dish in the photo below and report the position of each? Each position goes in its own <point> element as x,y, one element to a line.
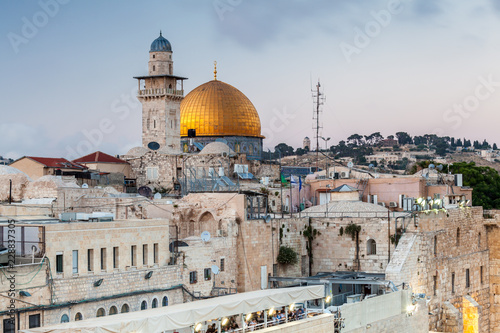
<point>350,165</point>
<point>85,185</point>
<point>153,145</point>
<point>440,167</point>
<point>145,191</point>
<point>268,218</point>
<point>205,236</point>
<point>432,166</point>
<point>370,166</point>
<point>215,269</point>
<point>157,196</point>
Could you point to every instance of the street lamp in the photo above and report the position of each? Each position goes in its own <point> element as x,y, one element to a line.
<point>326,151</point>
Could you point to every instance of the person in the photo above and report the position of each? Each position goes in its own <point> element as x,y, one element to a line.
<point>211,329</point>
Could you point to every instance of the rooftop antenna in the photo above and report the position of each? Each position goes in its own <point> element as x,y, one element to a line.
<point>319,99</point>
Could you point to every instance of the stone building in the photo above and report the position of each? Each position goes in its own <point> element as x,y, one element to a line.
<point>36,167</point>
<point>69,271</point>
<point>306,143</point>
<point>161,93</point>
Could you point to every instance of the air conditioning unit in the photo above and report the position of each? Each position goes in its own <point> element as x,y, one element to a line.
<point>344,174</point>
<point>393,204</point>
<point>382,204</point>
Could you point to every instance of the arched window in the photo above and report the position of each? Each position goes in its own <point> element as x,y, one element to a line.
<point>154,68</point>
<point>164,301</point>
<point>125,308</point>
<point>458,236</point>
<point>101,312</point>
<point>113,310</point>
<point>435,245</point>
<point>371,247</point>
<point>64,318</point>
<point>144,305</point>
<point>78,316</point>
<point>154,304</point>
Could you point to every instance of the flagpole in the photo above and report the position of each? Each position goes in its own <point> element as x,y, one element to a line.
<point>291,205</point>
<point>300,187</point>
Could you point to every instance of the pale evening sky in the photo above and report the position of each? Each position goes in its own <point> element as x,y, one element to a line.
<point>419,66</point>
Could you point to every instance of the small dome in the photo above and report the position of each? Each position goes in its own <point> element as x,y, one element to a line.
<point>161,44</point>
<point>216,147</point>
<point>8,170</point>
<point>137,151</point>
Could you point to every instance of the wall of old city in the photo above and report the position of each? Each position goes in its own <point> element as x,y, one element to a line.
<point>446,257</point>
<point>333,249</point>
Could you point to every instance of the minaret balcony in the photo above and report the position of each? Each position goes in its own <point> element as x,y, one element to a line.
<point>160,92</point>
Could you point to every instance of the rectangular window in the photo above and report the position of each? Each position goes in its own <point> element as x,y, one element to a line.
<point>155,253</point>
<point>193,277</point>
<point>467,278</point>
<point>481,274</point>
<point>9,325</point>
<point>222,262</point>
<point>34,321</point>
<point>59,263</point>
<point>103,259</point>
<point>152,173</point>
<point>145,254</point>
<point>133,255</point>
<point>452,283</point>
<point>90,260</point>
<point>207,274</point>
<point>75,261</point>
<point>116,257</point>
<point>435,284</point>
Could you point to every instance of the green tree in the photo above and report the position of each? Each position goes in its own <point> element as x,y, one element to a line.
<point>485,182</point>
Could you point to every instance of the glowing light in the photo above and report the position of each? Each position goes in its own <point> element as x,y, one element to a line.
<point>431,202</point>
<point>292,306</point>
<point>225,321</point>
<point>437,201</point>
<point>419,200</point>
<point>328,299</point>
<point>197,328</point>
<point>248,317</point>
<point>271,311</point>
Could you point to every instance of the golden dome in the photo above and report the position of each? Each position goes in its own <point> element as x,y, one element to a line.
<point>218,109</point>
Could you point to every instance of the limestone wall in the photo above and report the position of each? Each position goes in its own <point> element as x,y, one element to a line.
<point>446,257</point>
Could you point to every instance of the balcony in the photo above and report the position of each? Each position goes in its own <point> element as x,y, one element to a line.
<point>160,92</point>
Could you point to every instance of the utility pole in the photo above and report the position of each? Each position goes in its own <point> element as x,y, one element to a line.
<point>319,99</point>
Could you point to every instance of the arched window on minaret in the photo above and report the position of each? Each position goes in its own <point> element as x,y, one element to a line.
<point>154,124</point>
<point>154,68</point>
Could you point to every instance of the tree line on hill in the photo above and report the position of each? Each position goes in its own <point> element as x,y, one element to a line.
<point>358,146</point>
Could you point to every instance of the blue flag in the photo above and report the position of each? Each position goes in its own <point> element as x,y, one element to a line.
<point>300,183</point>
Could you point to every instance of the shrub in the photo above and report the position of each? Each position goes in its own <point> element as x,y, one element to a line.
<point>287,255</point>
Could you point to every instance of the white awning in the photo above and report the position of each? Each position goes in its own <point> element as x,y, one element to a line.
<point>188,314</point>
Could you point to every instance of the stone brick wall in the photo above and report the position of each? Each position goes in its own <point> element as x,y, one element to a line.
<point>333,249</point>
<point>434,259</point>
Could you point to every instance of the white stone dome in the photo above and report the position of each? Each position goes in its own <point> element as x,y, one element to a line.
<point>217,148</point>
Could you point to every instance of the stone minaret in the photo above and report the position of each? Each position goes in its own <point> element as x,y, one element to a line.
<point>161,94</point>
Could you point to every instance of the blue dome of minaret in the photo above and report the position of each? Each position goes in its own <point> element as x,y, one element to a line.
<point>161,44</point>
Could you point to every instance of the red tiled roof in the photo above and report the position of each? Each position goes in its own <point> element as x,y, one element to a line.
<point>57,163</point>
<point>100,157</point>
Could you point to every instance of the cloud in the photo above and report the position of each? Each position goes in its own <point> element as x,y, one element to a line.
<point>427,8</point>
<point>254,24</point>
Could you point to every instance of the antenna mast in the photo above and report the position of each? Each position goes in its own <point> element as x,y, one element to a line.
<point>318,98</point>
